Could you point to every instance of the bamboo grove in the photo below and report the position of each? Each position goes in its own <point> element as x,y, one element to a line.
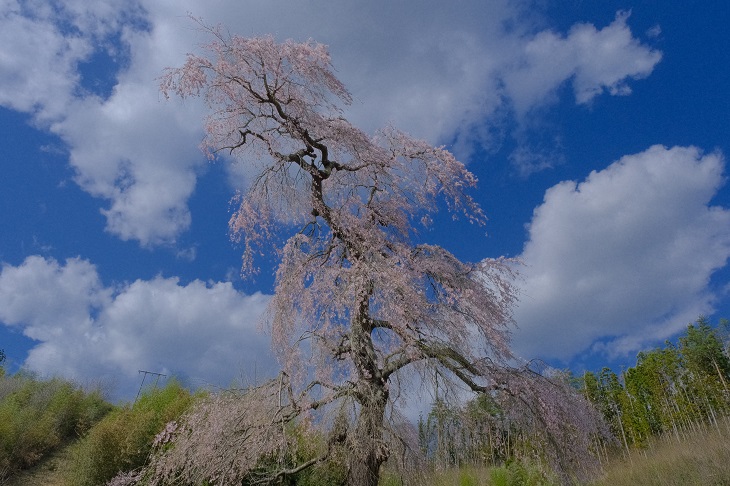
<point>673,390</point>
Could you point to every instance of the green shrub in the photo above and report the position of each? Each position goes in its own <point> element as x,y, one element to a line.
<point>310,444</point>
<point>122,441</point>
<point>518,473</point>
<point>38,415</point>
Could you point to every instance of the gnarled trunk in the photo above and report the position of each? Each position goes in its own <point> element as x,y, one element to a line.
<point>368,450</point>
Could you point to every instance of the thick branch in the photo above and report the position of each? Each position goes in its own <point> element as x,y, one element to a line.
<point>290,472</point>
<point>339,392</point>
<point>458,364</point>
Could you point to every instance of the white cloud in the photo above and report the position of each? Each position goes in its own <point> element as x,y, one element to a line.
<point>44,43</point>
<point>624,257</point>
<point>595,60</point>
<point>528,161</point>
<point>139,155</point>
<point>205,333</point>
<point>436,71</point>
<point>37,67</point>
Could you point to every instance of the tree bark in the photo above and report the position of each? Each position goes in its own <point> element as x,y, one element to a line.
<point>368,449</point>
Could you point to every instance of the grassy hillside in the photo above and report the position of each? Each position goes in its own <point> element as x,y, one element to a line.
<point>699,458</point>
<point>54,433</point>
<point>37,416</point>
<point>122,441</point>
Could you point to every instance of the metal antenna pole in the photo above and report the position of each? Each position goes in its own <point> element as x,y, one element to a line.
<point>158,375</point>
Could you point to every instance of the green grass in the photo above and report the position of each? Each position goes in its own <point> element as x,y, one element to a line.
<point>514,474</point>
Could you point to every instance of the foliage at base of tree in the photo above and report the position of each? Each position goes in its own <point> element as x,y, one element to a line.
<point>513,473</point>
<point>487,432</point>
<point>123,440</point>
<point>233,438</point>
<point>678,393</point>
<point>38,415</point>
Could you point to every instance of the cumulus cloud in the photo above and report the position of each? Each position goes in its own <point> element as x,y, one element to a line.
<point>45,42</point>
<point>131,150</point>
<point>595,60</point>
<point>139,156</point>
<point>203,333</point>
<point>37,68</point>
<point>438,72</point>
<point>624,258</point>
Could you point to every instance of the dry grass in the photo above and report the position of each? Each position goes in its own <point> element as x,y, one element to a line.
<point>701,458</point>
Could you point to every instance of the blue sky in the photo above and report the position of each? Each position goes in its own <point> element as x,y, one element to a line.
<point>598,131</point>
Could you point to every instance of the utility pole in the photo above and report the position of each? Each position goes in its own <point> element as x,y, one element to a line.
<point>157,379</point>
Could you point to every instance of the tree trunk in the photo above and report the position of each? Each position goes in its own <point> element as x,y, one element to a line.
<point>368,450</point>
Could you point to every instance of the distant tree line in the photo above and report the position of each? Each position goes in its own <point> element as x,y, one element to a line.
<point>675,389</point>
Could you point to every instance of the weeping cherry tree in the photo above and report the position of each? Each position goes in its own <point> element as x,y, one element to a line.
<point>360,299</point>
